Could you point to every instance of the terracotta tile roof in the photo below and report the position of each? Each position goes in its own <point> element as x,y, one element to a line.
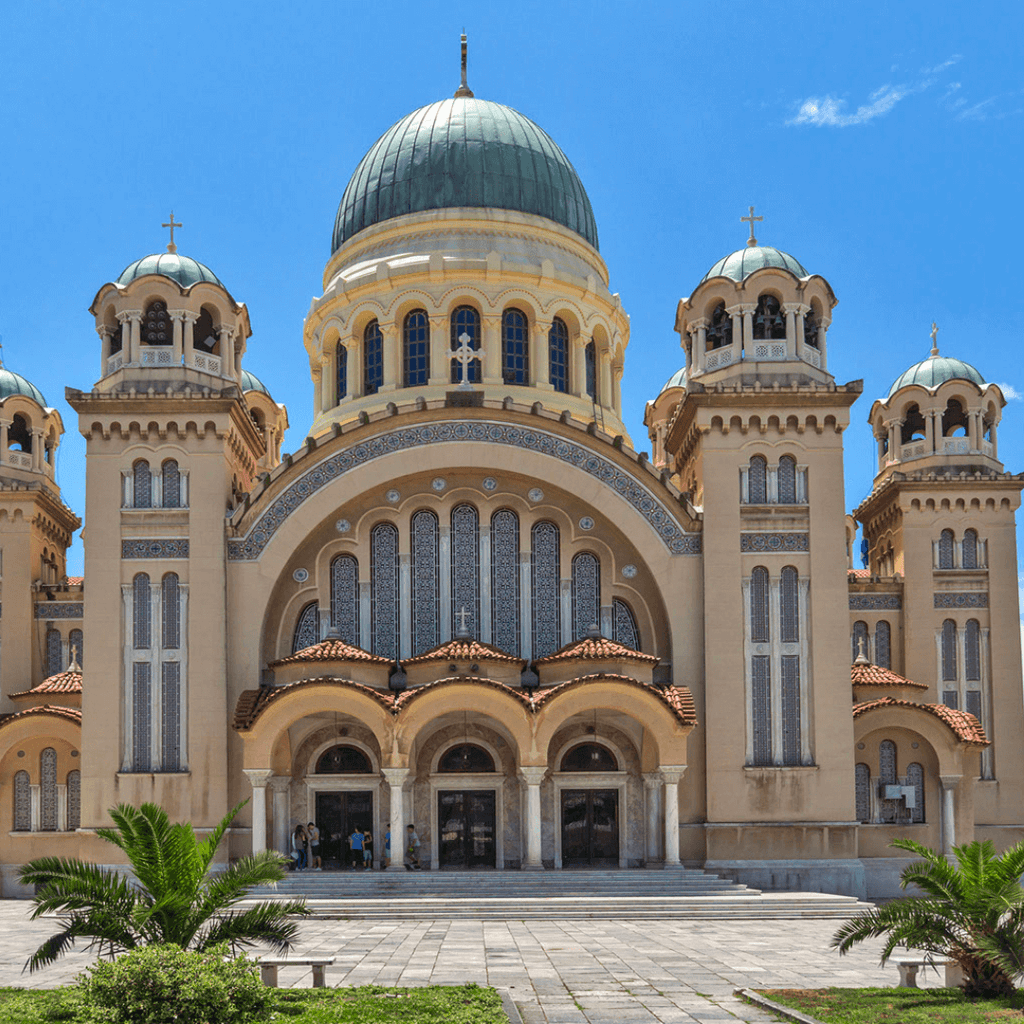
<point>860,574</point>
<point>677,698</point>
<point>964,725</point>
<point>74,714</point>
<point>252,703</point>
<point>75,581</point>
<point>403,698</point>
<point>596,648</point>
<point>464,649</point>
<point>331,650</point>
<point>875,675</point>
<point>63,682</point>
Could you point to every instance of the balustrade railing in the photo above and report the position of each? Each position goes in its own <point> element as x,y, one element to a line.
<point>20,460</point>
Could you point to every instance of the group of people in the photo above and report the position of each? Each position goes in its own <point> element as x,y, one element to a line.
<point>306,848</point>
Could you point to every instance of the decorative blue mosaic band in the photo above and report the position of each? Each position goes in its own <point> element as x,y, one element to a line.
<point>512,435</point>
<point>969,600</point>
<point>770,542</point>
<point>177,548</point>
<point>59,610</point>
<point>875,602</point>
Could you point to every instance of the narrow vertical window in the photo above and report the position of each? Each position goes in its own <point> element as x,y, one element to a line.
<point>969,551</point>
<point>624,625</point>
<point>972,651</point>
<point>426,625</point>
<point>860,640</point>
<point>142,613</point>
<point>972,704</point>
<point>949,665</point>
<point>53,652</point>
<point>22,802</point>
<point>759,631</point>
<point>171,484</point>
<point>171,626</point>
<point>505,622</point>
<point>515,347</point>
<point>341,359</point>
<point>757,480</point>
<point>48,790</point>
<point>465,320</point>
<point>170,697</point>
<point>466,568</point>
<point>790,601</point>
<point>307,628</point>
<point>558,355</point>
<point>787,480</point>
<point>373,358</point>
<point>74,799</point>
<point>142,717</point>
<point>915,778</point>
<point>791,709</point>
<point>142,484</point>
<point>887,762</point>
<point>547,605</point>
<point>883,644</point>
<point>862,791</point>
<point>76,646</point>
<point>416,349</point>
<point>761,707</point>
<point>586,594</point>
<point>345,598</point>
<point>384,590</point>
<point>590,368</point>
<point>946,549</point>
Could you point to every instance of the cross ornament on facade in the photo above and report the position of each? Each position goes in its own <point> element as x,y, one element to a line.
<point>464,356</point>
<point>935,338</point>
<point>462,615</point>
<point>171,247</point>
<point>751,240</point>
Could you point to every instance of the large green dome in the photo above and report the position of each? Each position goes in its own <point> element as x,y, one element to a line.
<point>739,265</point>
<point>183,269</point>
<point>936,370</point>
<point>464,152</point>
<point>12,383</point>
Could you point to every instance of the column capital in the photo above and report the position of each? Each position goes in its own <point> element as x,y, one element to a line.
<point>177,314</point>
<point>189,316</point>
<point>652,780</point>
<point>127,315</point>
<point>672,773</point>
<point>533,775</point>
<point>279,783</point>
<point>794,307</point>
<point>395,776</point>
<point>105,331</point>
<point>438,320</point>
<point>258,776</point>
<point>697,323</point>
<point>950,781</point>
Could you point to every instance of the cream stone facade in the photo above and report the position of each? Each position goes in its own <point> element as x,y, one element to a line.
<point>468,602</point>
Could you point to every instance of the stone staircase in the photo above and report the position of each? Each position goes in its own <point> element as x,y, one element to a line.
<point>533,895</point>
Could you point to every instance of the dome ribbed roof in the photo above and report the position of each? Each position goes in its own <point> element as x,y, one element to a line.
<point>183,269</point>
<point>12,383</point>
<point>250,382</point>
<point>464,152</point>
<point>677,380</point>
<point>936,370</point>
<point>739,265</point>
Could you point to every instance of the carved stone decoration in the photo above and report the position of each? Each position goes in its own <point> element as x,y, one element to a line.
<point>300,575</point>
<point>175,548</point>
<point>774,542</point>
<point>60,610</point>
<point>961,600</point>
<point>875,602</point>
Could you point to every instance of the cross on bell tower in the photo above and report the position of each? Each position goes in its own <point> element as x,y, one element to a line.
<point>171,247</point>
<point>751,241</point>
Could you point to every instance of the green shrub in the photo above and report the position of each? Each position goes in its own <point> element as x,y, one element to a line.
<point>167,985</point>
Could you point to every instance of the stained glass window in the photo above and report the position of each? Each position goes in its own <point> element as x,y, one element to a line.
<point>76,646</point>
<point>373,358</point>
<point>466,566</point>
<point>787,480</point>
<point>142,612</point>
<point>625,630</point>
<point>949,665</point>
<point>171,484</point>
<point>590,368</point>
<point>790,602</point>
<point>384,589</point>
<point>791,709</point>
<point>759,631</point>
<point>426,626</point>
<point>307,628</point>
<point>142,717</point>
<point>946,549</point>
<point>22,802</point>
<point>860,641</point>
<point>170,683</point>
<point>171,633</point>
<point>883,644</point>
<point>969,552</point>
<point>558,355</point>
<point>465,320</point>
<point>515,347</point>
<point>761,708</point>
<point>48,790</point>
<point>74,799</point>
<point>915,778</point>
<point>53,652</point>
<point>505,624</point>
<point>416,348</point>
<point>142,486</point>
<point>345,598</point>
<point>341,361</point>
<point>972,650</point>
<point>757,481</point>
<point>546,584</point>
<point>586,594</point>
<point>862,789</point>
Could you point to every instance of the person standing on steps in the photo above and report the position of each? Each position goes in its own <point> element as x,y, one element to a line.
<point>412,849</point>
<point>355,846</point>
<point>367,850</point>
<point>386,863</point>
<point>299,847</point>
<point>314,847</point>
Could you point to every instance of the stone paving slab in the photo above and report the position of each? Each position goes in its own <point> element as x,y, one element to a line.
<point>557,972</point>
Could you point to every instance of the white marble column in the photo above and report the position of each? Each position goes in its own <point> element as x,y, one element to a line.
<point>281,828</point>
<point>540,357</point>
<point>533,777</point>
<point>949,784</point>
<point>492,349</point>
<point>652,793</point>
<point>440,367</point>
<point>178,334</point>
<point>672,773</point>
<point>258,780</point>
<point>392,359</point>
<point>395,778</point>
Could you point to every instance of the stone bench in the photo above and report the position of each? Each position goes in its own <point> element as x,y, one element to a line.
<point>908,972</point>
<point>268,968</point>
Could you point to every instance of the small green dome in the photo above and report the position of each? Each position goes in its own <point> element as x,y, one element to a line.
<point>936,370</point>
<point>183,269</point>
<point>250,382</point>
<point>12,383</point>
<point>464,152</point>
<point>677,380</point>
<point>739,265</point>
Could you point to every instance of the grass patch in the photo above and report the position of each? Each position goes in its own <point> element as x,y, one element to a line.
<point>437,1004</point>
<point>896,1005</point>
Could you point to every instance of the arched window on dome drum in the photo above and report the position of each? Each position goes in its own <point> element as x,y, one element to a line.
<point>757,480</point>
<point>812,322</point>
<point>862,791</point>
<point>883,644</point>
<point>558,356</point>
<point>505,595</point>
<point>384,590</point>
<point>74,799</point>
<point>343,760</point>
<point>426,626</point>
<point>789,599</point>
<point>54,661</point>
<point>546,583</point>
<point>466,567</point>
<point>465,320</point>
<point>759,629</point>
<point>142,485</point>
<point>946,549</point>
<point>787,480</point>
<point>345,598</point>
<point>972,651</point>
<point>860,641</point>
<point>170,484</point>
<point>913,428</point>
<point>171,632</point>
<point>969,550</point>
<point>949,666</point>
<point>624,627</point>
<point>416,349</point>
<point>590,366</point>
<point>48,790</point>
<point>22,802</point>
<point>954,420</point>
<point>769,323</point>
<point>307,628</point>
<point>341,359</point>
<point>19,437</point>
<point>156,325</point>
<point>589,757</point>
<point>719,331</point>
<point>142,613</point>
<point>915,778</point>
<point>466,757</point>
<point>515,347</point>
<point>373,358</point>
<point>586,594</point>
<point>76,646</point>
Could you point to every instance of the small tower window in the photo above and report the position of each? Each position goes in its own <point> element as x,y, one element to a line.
<point>787,480</point>
<point>757,480</point>
<point>949,666</point>
<point>972,651</point>
<point>19,437</point>
<point>790,601</point>
<point>860,640</point>
<point>719,333</point>
<point>558,355</point>
<point>883,644</point>
<point>954,420</point>
<point>969,550</point>
<point>373,358</point>
<point>769,323</point>
<point>759,632</point>
<point>142,485</point>
<point>515,347</point>
<point>590,363</point>
<point>913,428</point>
<point>204,337</point>
<point>307,628</point>
<point>53,652</point>
<point>465,320</point>
<point>946,549</point>
<point>171,484</point>
<point>156,324</point>
<point>417,348</point>
<point>341,358</point>
<point>76,646</point>
<point>812,322</point>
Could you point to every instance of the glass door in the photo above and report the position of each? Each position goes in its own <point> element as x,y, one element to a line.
<point>466,828</point>
<point>590,828</point>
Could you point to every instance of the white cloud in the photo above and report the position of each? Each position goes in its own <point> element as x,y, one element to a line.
<point>828,111</point>
<point>1010,393</point>
<point>955,59</point>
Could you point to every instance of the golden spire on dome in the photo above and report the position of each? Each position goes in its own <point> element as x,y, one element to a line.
<point>171,247</point>
<point>464,89</point>
<point>935,338</point>
<point>751,241</point>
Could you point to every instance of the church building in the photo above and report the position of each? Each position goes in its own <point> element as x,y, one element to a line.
<point>468,600</point>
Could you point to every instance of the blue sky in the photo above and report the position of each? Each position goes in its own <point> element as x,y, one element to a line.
<point>881,142</point>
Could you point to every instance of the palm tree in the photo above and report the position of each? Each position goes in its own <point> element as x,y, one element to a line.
<point>176,901</point>
<point>972,912</point>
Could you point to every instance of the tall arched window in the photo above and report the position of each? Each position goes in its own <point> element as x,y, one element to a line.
<point>624,627</point>
<point>54,661</point>
<point>22,802</point>
<point>341,359</point>
<point>946,549</point>
<point>558,355</point>
<point>915,778</point>
<point>769,323</point>
<point>546,578</point>
<point>76,646</point>
<point>969,550</point>
<point>757,480</point>
<point>373,358</point>
<point>307,628</point>
<point>156,325</point>
<point>790,605</point>
<point>883,644</point>
<point>345,598</point>
<point>426,626</point>
<point>170,697</point>
<point>48,790</point>
<point>954,419</point>
<point>74,799</point>
<point>171,631</point>
<point>515,347</point>
<point>949,666</point>
<point>914,427</point>
<point>887,777</point>
<point>505,595</point>
<point>787,480</point>
<point>862,790</point>
<point>19,437</point>
<point>142,613</point>
<point>466,567</point>
<point>590,368</point>
<point>203,335</point>
<point>860,642</point>
<point>384,590</point>
<point>586,594</point>
<point>142,716</point>
<point>972,651</point>
<point>719,332</point>
<point>760,632</point>
<point>142,490</point>
<point>171,484</point>
<point>465,320</point>
<point>416,349</point>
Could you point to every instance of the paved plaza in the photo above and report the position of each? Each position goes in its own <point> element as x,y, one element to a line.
<point>557,972</point>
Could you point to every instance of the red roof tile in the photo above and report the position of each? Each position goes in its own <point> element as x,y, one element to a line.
<point>860,574</point>
<point>252,703</point>
<point>678,698</point>
<point>63,682</point>
<point>464,649</point>
<point>966,727</point>
<point>74,714</point>
<point>331,650</point>
<point>403,698</point>
<point>596,648</point>
<point>875,675</point>
<point>75,581</point>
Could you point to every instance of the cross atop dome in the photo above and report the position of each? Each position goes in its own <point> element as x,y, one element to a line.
<point>935,338</point>
<point>751,241</point>
<point>464,89</point>
<point>171,247</point>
